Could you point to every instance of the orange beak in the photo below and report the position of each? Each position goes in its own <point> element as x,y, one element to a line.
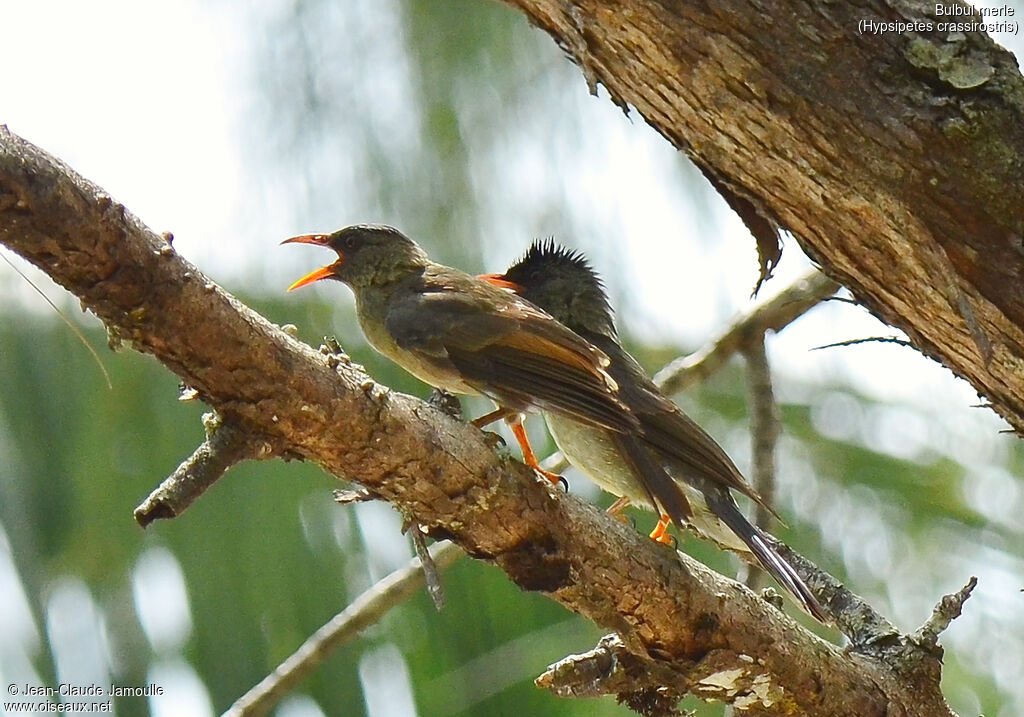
<point>501,282</point>
<point>321,273</point>
<point>318,239</point>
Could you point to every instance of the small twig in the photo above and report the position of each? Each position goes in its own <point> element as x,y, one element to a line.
<point>364,611</point>
<point>866,340</point>
<point>947,610</point>
<point>226,444</point>
<point>842,300</point>
<point>773,315</point>
<point>430,573</point>
<point>765,427</point>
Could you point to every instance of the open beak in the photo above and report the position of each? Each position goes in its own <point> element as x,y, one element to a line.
<point>501,282</point>
<point>318,239</point>
<point>321,273</point>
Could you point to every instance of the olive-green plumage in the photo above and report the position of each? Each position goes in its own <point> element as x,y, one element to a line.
<point>461,334</point>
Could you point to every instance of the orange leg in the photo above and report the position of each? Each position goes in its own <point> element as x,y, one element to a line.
<point>489,418</point>
<point>616,508</point>
<point>529,458</point>
<point>660,532</point>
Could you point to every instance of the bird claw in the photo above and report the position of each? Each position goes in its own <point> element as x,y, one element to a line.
<point>494,440</point>
<point>660,533</point>
<point>772,597</point>
<point>447,402</point>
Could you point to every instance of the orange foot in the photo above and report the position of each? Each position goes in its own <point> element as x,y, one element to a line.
<point>616,508</point>
<point>660,532</point>
<point>529,457</point>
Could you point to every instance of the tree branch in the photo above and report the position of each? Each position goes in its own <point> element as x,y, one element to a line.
<point>947,610</point>
<point>765,427</point>
<point>773,315</point>
<point>225,445</point>
<point>891,157</point>
<point>679,619</point>
<point>365,610</point>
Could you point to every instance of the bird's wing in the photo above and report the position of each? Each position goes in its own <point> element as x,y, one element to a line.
<point>671,432</point>
<point>511,351</point>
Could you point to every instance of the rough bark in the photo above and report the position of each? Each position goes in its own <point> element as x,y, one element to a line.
<point>690,627</point>
<point>895,159</point>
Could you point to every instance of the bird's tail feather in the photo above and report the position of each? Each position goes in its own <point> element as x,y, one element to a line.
<point>776,566</point>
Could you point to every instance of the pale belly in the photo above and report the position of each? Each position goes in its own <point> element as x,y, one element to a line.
<point>594,454</point>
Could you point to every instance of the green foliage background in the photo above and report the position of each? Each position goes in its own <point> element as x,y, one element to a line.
<point>266,557</point>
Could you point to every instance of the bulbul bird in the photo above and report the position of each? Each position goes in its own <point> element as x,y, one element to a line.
<point>563,283</point>
<point>463,335</point>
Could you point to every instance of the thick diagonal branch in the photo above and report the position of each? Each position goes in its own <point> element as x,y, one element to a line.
<point>684,620</point>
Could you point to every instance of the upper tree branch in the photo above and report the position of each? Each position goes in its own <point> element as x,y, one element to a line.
<point>683,621</point>
<point>893,158</point>
<point>773,315</point>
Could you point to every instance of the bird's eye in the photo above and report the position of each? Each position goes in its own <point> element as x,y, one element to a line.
<point>349,242</point>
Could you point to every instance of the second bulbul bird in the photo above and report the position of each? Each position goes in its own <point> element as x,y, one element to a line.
<point>562,283</point>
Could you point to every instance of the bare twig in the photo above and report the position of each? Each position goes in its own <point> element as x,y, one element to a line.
<point>773,315</point>
<point>431,575</point>
<point>226,444</point>
<point>947,610</point>
<point>765,426</point>
<point>364,611</point>
<point>867,340</point>
<point>608,669</point>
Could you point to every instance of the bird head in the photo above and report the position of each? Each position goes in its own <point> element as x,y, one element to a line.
<point>368,254</point>
<point>561,282</point>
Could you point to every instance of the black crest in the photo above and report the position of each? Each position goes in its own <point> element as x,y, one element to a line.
<point>560,279</point>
